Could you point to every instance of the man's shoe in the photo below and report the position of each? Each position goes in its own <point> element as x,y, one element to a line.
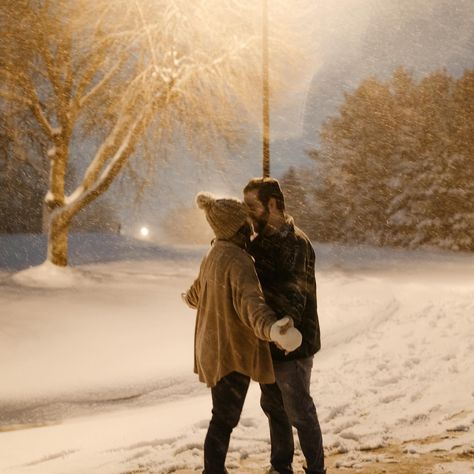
<point>272,470</point>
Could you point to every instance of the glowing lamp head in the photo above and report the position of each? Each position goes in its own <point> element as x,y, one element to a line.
<point>144,231</point>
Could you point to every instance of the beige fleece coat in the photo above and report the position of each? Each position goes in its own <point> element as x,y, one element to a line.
<point>233,322</point>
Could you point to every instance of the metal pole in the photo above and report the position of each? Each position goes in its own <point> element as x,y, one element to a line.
<point>265,92</point>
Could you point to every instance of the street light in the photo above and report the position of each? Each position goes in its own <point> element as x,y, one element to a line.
<point>265,92</point>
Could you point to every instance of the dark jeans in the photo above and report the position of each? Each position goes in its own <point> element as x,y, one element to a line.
<point>288,403</point>
<point>228,397</point>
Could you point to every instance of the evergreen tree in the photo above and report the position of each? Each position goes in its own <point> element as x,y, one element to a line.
<point>397,163</point>
<point>354,160</point>
<point>296,200</point>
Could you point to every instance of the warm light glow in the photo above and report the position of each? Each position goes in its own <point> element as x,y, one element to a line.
<point>144,232</point>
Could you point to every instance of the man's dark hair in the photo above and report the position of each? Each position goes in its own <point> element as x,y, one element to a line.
<point>267,188</point>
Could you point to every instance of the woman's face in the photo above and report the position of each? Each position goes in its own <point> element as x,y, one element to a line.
<point>247,231</point>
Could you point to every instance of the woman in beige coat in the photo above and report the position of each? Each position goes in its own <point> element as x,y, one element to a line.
<point>233,324</point>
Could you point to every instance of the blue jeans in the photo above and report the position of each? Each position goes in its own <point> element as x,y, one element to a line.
<point>288,403</point>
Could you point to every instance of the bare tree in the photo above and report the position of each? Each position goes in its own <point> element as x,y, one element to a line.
<point>112,74</point>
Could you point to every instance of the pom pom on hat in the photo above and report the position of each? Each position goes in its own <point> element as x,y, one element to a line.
<point>225,215</point>
<point>205,200</point>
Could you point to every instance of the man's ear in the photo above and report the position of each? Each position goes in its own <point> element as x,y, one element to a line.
<point>272,205</point>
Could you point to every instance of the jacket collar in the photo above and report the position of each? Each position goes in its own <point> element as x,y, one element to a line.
<point>287,228</point>
<point>225,243</point>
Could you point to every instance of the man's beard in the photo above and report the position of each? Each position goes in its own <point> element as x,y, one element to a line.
<point>260,223</point>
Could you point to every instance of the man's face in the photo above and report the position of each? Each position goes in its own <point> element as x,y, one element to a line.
<point>258,212</point>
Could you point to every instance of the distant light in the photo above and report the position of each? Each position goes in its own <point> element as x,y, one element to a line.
<point>144,232</point>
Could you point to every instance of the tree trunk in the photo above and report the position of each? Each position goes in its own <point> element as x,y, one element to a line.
<point>58,239</point>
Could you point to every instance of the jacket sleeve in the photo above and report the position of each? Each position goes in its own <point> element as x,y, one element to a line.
<point>192,295</point>
<point>291,300</point>
<point>248,299</point>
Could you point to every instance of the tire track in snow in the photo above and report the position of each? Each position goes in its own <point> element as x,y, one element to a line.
<point>48,411</point>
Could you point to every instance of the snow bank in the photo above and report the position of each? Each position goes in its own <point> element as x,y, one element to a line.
<point>48,275</point>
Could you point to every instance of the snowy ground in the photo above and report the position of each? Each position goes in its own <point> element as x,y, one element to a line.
<point>96,363</point>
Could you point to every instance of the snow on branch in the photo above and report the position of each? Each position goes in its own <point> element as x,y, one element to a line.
<point>114,153</point>
<point>89,190</point>
<point>101,84</point>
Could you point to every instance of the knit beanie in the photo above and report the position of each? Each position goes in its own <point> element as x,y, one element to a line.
<point>225,215</point>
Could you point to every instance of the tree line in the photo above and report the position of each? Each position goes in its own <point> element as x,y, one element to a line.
<point>395,166</point>
<point>92,90</point>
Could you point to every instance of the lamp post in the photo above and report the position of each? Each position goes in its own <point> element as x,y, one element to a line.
<point>265,92</point>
